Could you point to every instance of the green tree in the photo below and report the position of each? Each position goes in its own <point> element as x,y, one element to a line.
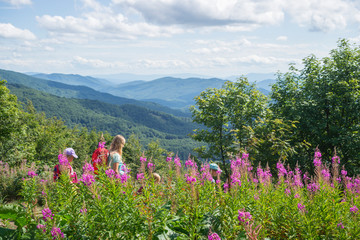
<point>9,112</point>
<point>246,105</point>
<point>225,113</point>
<point>324,98</point>
<point>211,111</point>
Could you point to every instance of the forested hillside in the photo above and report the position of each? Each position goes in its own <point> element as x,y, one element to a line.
<point>126,119</point>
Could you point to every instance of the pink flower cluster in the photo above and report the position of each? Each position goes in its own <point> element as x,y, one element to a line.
<point>110,173</point>
<point>87,179</point>
<point>56,232</point>
<point>102,144</point>
<point>88,168</point>
<point>190,179</point>
<point>32,174</point>
<point>244,217</point>
<point>63,160</point>
<point>47,214</point>
<point>214,236</point>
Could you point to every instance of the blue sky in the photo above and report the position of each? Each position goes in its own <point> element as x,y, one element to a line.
<point>218,38</point>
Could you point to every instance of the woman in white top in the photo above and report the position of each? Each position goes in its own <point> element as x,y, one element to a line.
<point>115,158</point>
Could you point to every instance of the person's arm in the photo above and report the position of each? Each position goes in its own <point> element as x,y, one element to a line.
<point>116,167</point>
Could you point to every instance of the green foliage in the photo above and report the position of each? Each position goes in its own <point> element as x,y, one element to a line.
<point>272,140</point>
<point>285,207</point>
<point>9,113</point>
<point>226,112</point>
<point>125,119</point>
<point>323,98</point>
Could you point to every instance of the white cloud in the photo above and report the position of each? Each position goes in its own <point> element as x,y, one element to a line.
<point>96,63</point>
<point>323,15</point>
<point>18,3</point>
<point>7,30</point>
<point>245,15</point>
<point>206,12</point>
<point>104,26</point>
<point>282,38</point>
<point>131,19</point>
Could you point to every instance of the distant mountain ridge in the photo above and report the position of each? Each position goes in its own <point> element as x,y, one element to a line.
<point>81,92</point>
<point>74,79</point>
<point>176,93</point>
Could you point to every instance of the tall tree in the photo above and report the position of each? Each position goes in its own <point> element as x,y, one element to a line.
<point>225,113</point>
<point>324,98</point>
<point>246,105</point>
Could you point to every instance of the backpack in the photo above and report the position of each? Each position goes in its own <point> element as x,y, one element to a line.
<point>99,157</point>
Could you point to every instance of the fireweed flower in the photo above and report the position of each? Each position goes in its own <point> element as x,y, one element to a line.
<point>189,163</point>
<point>168,159</point>
<point>256,197</point>
<point>301,207</point>
<point>287,192</point>
<point>88,168</point>
<point>244,217</point>
<point>281,169</point>
<point>124,178</point>
<point>343,172</point>
<point>41,226</point>
<point>305,177</point>
<point>326,174</point>
<point>139,176</point>
<point>317,158</point>
<point>87,179</point>
<point>354,209</point>
<point>296,196</point>
<point>102,144</point>
<point>56,232</point>
<point>340,225</point>
<point>143,159</point>
<point>63,160</point>
<point>190,179</point>
<point>214,236</point>
<point>83,210</point>
<point>98,161</point>
<point>226,187</point>
<point>177,162</point>
<point>236,181</point>
<point>313,187</point>
<point>335,159</point>
<point>47,214</point>
<point>150,165</point>
<point>338,180</point>
<point>110,173</point>
<point>31,174</point>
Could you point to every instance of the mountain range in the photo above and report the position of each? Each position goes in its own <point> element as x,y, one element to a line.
<point>176,93</point>
<point>87,101</point>
<point>81,92</point>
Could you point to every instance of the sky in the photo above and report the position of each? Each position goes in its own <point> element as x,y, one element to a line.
<point>217,38</point>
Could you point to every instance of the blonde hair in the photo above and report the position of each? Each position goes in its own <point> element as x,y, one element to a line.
<point>157,177</point>
<point>117,144</point>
